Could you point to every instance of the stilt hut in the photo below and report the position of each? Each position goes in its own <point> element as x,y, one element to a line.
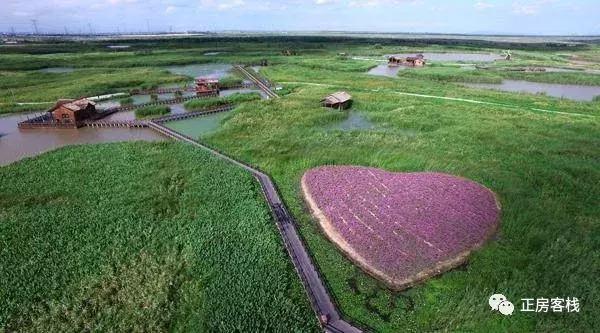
<point>415,61</point>
<point>72,112</point>
<point>394,62</point>
<point>339,100</point>
<point>207,86</point>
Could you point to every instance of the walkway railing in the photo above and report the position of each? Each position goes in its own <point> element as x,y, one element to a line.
<point>261,83</point>
<point>321,302</point>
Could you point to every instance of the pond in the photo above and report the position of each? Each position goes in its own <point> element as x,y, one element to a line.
<point>57,70</point>
<point>385,70</point>
<point>16,144</point>
<point>228,92</point>
<point>475,57</point>
<point>210,70</point>
<point>355,120</point>
<point>569,91</point>
<point>200,126</point>
<point>118,47</point>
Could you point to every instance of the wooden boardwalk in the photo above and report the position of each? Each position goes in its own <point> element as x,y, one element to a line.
<point>321,302</point>
<point>114,123</point>
<point>261,83</point>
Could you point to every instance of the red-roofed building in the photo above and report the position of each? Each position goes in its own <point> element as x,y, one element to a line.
<point>207,85</point>
<point>68,111</point>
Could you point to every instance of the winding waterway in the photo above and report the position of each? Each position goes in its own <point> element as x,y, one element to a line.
<point>16,144</point>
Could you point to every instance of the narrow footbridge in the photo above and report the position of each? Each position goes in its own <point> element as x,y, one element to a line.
<point>260,82</point>
<point>320,300</point>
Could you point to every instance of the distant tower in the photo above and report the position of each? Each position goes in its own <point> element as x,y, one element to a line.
<point>35,27</point>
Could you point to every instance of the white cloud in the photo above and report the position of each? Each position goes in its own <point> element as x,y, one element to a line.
<point>324,2</point>
<point>222,4</point>
<point>532,8</point>
<point>481,5</point>
<point>377,3</point>
<point>170,9</point>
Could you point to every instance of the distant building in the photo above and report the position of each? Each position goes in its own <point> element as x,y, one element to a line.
<point>339,100</point>
<point>289,52</point>
<point>207,86</point>
<point>415,62</point>
<point>394,62</point>
<point>68,111</point>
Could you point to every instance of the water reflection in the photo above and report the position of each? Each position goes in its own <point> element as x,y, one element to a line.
<point>385,70</point>
<point>355,120</point>
<point>569,91</point>
<point>16,144</point>
<point>200,126</point>
<point>211,70</point>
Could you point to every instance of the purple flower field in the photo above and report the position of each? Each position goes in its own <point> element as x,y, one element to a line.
<point>401,227</point>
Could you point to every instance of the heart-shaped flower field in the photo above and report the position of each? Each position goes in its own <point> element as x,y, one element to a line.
<point>401,227</point>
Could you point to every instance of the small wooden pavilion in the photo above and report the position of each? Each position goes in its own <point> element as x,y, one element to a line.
<point>339,100</point>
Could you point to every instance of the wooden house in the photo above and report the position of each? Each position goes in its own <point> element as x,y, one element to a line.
<point>395,62</point>
<point>289,52</point>
<point>68,111</point>
<point>415,61</point>
<point>339,100</point>
<point>206,86</point>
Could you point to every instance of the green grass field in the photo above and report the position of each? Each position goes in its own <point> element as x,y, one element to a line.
<point>141,237</point>
<point>543,166</point>
<point>538,153</point>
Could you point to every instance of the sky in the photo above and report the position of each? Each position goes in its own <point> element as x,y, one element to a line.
<point>530,17</point>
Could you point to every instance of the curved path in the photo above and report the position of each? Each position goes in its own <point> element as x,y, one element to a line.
<point>321,301</point>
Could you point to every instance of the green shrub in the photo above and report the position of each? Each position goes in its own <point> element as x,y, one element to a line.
<point>157,237</point>
<point>230,81</point>
<point>199,104</point>
<point>151,111</point>
<point>126,101</point>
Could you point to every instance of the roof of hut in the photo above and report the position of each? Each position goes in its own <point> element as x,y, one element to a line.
<point>337,97</point>
<point>73,105</point>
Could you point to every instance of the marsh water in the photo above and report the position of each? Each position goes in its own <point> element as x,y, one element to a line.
<point>16,144</point>
<point>475,57</point>
<point>209,70</point>
<point>385,70</point>
<point>569,91</point>
<point>355,120</point>
<point>200,126</point>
